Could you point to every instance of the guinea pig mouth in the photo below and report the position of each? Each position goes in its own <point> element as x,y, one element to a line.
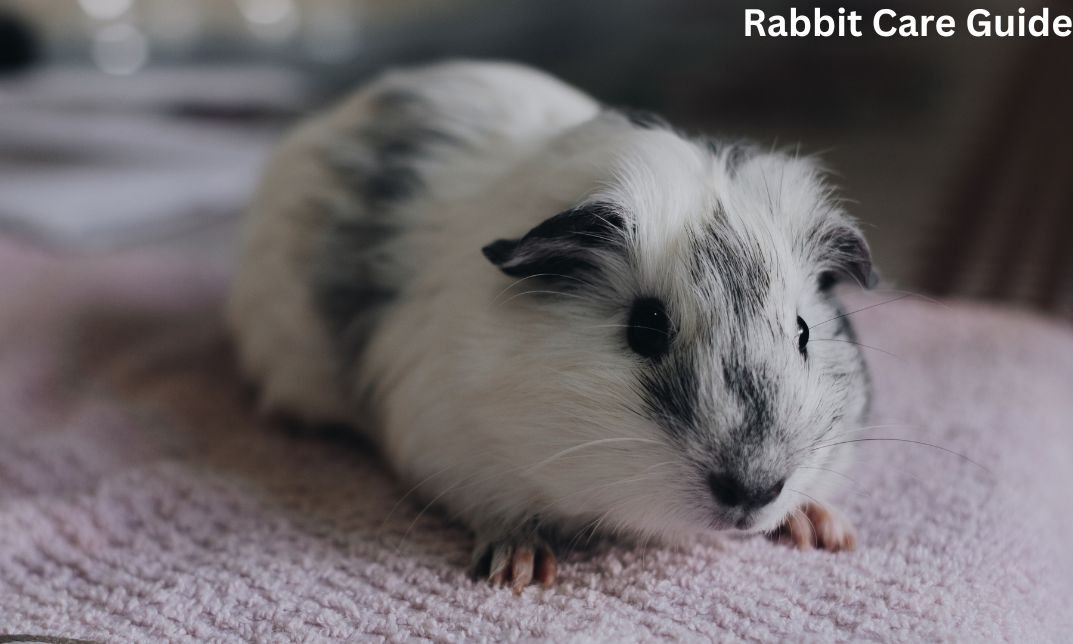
<point>737,520</point>
<point>740,521</point>
<point>752,522</point>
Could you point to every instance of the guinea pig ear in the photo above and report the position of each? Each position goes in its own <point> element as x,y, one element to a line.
<point>565,244</point>
<point>845,253</point>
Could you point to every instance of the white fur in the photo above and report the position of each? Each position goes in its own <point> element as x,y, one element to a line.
<point>500,405</point>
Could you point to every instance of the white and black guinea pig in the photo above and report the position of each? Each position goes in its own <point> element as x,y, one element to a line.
<point>556,319</point>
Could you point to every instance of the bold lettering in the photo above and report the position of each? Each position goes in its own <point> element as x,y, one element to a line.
<point>797,20</point>
<point>854,24</point>
<point>907,27</point>
<point>1063,26</point>
<point>1009,30</point>
<point>945,26</point>
<point>777,26</point>
<point>877,23</point>
<point>978,24</point>
<point>823,26</point>
<point>754,18</point>
<point>1040,26</point>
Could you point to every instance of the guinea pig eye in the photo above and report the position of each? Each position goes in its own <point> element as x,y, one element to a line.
<point>649,331</point>
<point>802,334</point>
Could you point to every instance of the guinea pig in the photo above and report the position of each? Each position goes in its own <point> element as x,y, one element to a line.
<point>556,319</point>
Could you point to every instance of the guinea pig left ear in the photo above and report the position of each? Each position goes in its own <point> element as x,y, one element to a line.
<point>846,253</point>
<point>565,244</point>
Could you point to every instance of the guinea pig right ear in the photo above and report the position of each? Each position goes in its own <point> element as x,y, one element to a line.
<point>562,245</point>
<point>846,254</point>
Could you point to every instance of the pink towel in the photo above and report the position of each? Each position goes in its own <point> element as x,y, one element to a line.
<point>141,501</point>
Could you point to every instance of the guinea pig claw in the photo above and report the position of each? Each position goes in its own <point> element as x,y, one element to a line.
<point>518,565</point>
<point>547,566</point>
<point>816,526</point>
<point>797,531</point>
<point>522,569</point>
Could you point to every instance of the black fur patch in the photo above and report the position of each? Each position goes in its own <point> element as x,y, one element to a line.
<point>752,390</point>
<point>827,281</point>
<point>562,245</point>
<point>670,389</point>
<point>383,172</point>
<point>346,289</point>
<point>738,266</point>
<point>737,271</point>
<point>376,164</point>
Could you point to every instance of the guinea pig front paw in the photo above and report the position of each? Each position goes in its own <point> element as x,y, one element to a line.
<point>816,526</point>
<point>516,562</point>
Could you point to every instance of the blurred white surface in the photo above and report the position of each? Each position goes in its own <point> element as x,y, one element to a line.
<point>94,162</point>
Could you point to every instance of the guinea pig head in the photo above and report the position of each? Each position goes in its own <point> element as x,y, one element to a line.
<point>695,370</point>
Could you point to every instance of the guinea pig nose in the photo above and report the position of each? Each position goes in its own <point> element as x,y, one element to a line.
<point>727,490</point>
<point>731,492</point>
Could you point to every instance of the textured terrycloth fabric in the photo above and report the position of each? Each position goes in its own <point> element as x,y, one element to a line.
<point>140,500</point>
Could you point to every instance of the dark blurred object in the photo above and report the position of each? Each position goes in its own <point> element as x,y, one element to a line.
<point>1009,216</point>
<point>20,47</point>
<point>687,59</point>
<point>954,152</point>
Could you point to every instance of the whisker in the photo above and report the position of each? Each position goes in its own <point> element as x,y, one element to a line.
<point>844,315</point>
<point>929,300</point>
<point>600,522</point>
<point>635,479</point>
<point>592,528</point>
<point>560,293</point>
<point>815,531</point>
<point>783,531</point>
<point>529,277</point>
<point>601,441</point>
<point>413,489</point>
<point>859,344</point>
<point>473,480</point>
<point>452,488</point>
<point>859,430</point>
<point>807,496</point>
<point>911,442</point>
<point>883,426</point>
<point>588,531</point>
<point>628,326</point>
<point>827,469</point>
<point>922,483</point>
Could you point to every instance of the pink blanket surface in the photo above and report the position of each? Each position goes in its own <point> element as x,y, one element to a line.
<point>141,500</point>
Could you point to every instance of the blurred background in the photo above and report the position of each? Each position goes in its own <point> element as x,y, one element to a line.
<point>125,123</point>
